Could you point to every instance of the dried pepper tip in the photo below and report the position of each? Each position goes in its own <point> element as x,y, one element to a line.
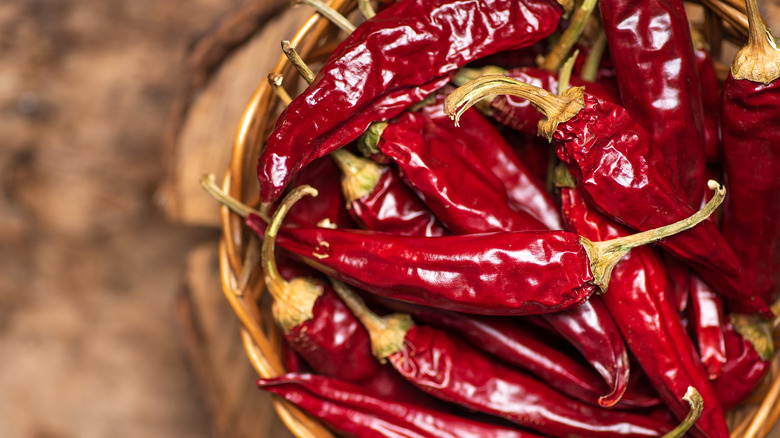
<point>276,80</point>
<point>606,254</point>
<point>557,109</point>
<point>759,60</point>
<point>209,184</point>
<point>387,333</point>
<point>757,331</point>
<point>696,401</point>
<point>359,176</point>
<point>293,300</point>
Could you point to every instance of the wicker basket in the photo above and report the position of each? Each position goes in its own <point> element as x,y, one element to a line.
<point>242,279</point>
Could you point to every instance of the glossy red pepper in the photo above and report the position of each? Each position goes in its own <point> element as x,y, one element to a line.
<point>650,47</point>
<point>397,58</point>
<point>448,175</point>
<point>710,98</point>
<point>742,372</point>
<point>647,316</point>
<point>524,347</point>
<point>610,157</point>
<point>707,318</point>
<point>379,200</point>
<point>524,190</point>
<point>352,411</point>
<point>751,144</point>
<point>452,370</point>
<point>328,207</point>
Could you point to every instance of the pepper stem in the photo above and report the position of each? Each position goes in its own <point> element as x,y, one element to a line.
<point>331,14</point>
<point>387,333</point>
<point>359,176</point>
<point>564,74</point>
<point>209,184</point>
<point>297,61</point>
<point>606,254</point>
<point>293,300</point>
<point>759,60</point>
<point>569,38</point>
<point>275,80</point>
<point>757,331</point>
<point>368,141</point>
<point>696,401</point>
<point>366,9</point>
<point>590,67</point>
<point>557,109</point>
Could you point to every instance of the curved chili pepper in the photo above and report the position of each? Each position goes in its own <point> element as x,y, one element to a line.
<point>650,47</point>
<point>710,98</point>
<point>327,209</point>
<point>707,319</point>
<point>751,144</point>
<point>518,345</point>
<point>647,316</point>
<point>351,410</point>
<point>742,371</point>
<point>523,189</point>
<point>452,370</point>
<point>448,175</point>
<point>379,200</point>
<point>390,62</point>
<point>510,273</point>
<point>611,159</point>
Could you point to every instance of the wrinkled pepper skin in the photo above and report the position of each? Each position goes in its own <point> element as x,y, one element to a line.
<point>449,177</point>
<point>354,412</point>
<point>550,271</point>
<point>640,303</point>
<point>524,190</point>
<point>397,58</point>
<point>451,370</point>
<point>392,207</point>
<point>651,49</point>
<point>751,145</point>
<point>618,171</point>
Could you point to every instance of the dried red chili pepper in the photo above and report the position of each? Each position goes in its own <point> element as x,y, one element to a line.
<point>647,316</point>
<point>707,320</point>
<point>751,144</point>
<point>390,62</point>
<point>327,209</point>
<point>351,410</point>
<point>743,370</point>
<point>379,200</point>
<point>493,273</point>
<point>448,175</point>
<point>610,157</point>
<point>519,345</point>
<point>710,98</point>
<point>650,47</point>
<point>451,370</point>
<point>523,189</point>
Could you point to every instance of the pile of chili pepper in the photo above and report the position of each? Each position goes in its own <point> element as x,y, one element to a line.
<point>504,247</point>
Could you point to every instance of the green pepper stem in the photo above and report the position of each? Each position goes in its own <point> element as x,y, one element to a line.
<point>331,14</point>
<point>275,80</point>
<point>387,333</point>
<point>209,184</point>
<point>569,38</point>
<point>368,141</point>
<point>297,61</point>
<point>606,254</point>
<point>359,176</point>
<point>564,74</point>
<point>366,9</point>
<point>759,60</point>
<point>557,109</point>
<point>757,331</point>
<point>293,300</point>
<point>590,67</point>
<point>696,402</point>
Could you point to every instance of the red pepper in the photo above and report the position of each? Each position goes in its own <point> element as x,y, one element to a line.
<point>524,190</point>
<point>743,370</point>
<point>650,47</point>
<point>611,159</point>
<point>448,175</point>
<point>379,200</point>
<point>523,347</point>
<point>751,144</point>
<point>328,207</point>
<point>707,318</point>
<point>647,316</point>
<point>354,412</point>
<point>550,270</point>
<point>390,62</point>
<point>452,370</point>
<point>710,98</point>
